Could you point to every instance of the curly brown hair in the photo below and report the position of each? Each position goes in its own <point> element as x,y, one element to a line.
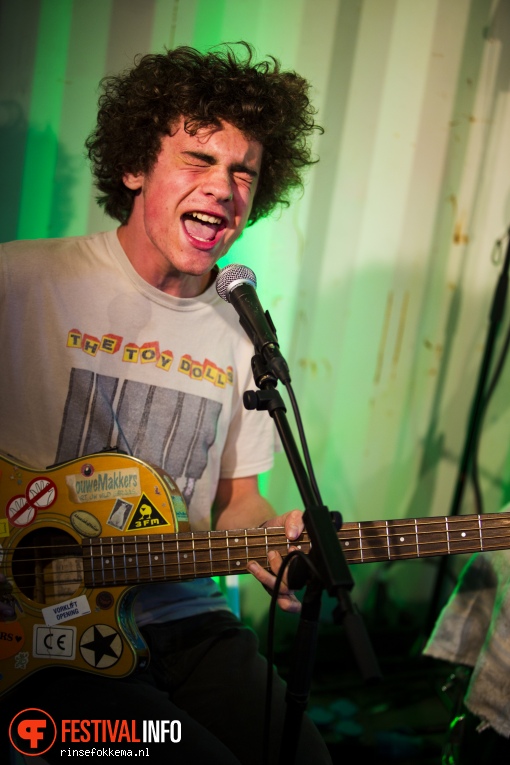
<point>139,106</point>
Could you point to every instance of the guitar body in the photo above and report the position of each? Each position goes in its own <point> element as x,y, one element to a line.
<point>54,617</point>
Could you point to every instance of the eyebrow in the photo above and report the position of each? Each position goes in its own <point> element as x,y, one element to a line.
<point>236,168</point>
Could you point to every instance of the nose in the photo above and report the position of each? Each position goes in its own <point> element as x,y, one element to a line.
<point>218,183</point>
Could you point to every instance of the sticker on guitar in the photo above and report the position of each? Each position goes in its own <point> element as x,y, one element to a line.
<point>41,494</point>
<point>12,637</point>
<point>63,612</point>
<point>101,646</point>
<point>120,514</point>
<point>104,484</point>
<point>145,516</point>
<point>54,642</point>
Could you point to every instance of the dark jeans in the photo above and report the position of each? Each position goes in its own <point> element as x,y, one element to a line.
<point>205,672</point>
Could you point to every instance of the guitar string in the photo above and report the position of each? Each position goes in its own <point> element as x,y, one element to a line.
<point>380,551</point>
<point>399,529</point>
<point>132,575</point>
<point>137,571</point>
<point>167,540</point>
<point>365,528</point>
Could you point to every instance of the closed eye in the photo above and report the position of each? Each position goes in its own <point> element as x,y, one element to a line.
<point>199,159</point>
<point>245,177</point>
<point>245,173</point>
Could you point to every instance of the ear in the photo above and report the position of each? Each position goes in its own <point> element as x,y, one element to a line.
<point>133,181</point>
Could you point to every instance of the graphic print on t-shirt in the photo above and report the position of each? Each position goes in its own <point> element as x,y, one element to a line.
<point>169,428</point>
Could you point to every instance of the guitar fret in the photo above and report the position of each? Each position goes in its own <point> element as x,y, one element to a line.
<point>229,561</point>
<point>149,558</point>
<point>219,547</point>
<point>227,540</point>
<point>185,552</point>
<point>90,562</point>
<point>124,558</point>
<point>233,558</point>
<point>131,560</point>
<point>136,559</point>
<point>133,572</point>
<point>114,570</point>
<point>470,531</point>
<point>108,575</point>
<point>163,553</point>
<point>202,554</point>
<point>102,560</point>
<point>157,568</point>
<point>346,544</point>
<point>236,541</point>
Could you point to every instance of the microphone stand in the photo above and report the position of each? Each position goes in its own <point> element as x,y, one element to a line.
<point>332,573</point>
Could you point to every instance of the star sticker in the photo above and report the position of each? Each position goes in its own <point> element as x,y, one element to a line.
<point>101,646</point>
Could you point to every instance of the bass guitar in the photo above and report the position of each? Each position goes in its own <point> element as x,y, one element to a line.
<point>77,539</point>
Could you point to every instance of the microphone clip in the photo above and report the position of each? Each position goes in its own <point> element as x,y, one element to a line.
<point>267,398</point>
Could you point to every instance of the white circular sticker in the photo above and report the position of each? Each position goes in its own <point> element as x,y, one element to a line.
<point>41,492</point>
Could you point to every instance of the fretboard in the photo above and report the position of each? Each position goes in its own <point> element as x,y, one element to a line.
<point>142,558</point>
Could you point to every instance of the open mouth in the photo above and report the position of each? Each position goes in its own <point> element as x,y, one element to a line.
<point>203,227</point>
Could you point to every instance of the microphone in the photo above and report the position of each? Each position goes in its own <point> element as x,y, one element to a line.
<point>237,285</point>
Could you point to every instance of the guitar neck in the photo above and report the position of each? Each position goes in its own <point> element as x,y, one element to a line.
<point>143,558</point>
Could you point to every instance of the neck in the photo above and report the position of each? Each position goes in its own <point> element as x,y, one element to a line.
<point>156,270</point>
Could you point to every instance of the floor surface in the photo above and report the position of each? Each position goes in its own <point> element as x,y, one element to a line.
<point>404,718</point>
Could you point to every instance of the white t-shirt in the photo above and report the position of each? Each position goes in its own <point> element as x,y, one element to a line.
<point>95,358</point>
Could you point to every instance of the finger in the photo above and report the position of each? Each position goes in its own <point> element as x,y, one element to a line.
<point>291,521</point>
<point>268,579</point>
<point>294,525</point>
<point>275,561</point>
<point>260,573</point>
<point>286,598</point>
<point>289,603</point>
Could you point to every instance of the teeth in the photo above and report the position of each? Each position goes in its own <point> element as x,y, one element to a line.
<point>206,218</point>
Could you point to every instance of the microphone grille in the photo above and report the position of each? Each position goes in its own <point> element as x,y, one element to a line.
<point>232,275</point>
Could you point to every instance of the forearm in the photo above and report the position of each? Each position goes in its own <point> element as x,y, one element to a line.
<point>239,505</point>
<point>246,511</point>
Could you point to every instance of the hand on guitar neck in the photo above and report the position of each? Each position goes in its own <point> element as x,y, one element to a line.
<point>239,505</point>
<point>293,524</point>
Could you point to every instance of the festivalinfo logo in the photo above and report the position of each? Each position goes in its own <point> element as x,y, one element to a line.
<point>33,732</point>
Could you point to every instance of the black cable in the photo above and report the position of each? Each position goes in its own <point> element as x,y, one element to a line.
<point>491,387</point>
<point>270,644</point>
<point>304,445</point>
<point>474,472</point>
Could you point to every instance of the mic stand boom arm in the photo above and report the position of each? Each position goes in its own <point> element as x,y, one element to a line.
<point>332,575</point>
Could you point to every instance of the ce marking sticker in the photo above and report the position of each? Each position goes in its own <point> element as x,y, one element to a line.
<point>54,642</point>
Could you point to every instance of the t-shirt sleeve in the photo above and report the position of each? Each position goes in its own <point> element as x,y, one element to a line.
<point>251,440</point>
